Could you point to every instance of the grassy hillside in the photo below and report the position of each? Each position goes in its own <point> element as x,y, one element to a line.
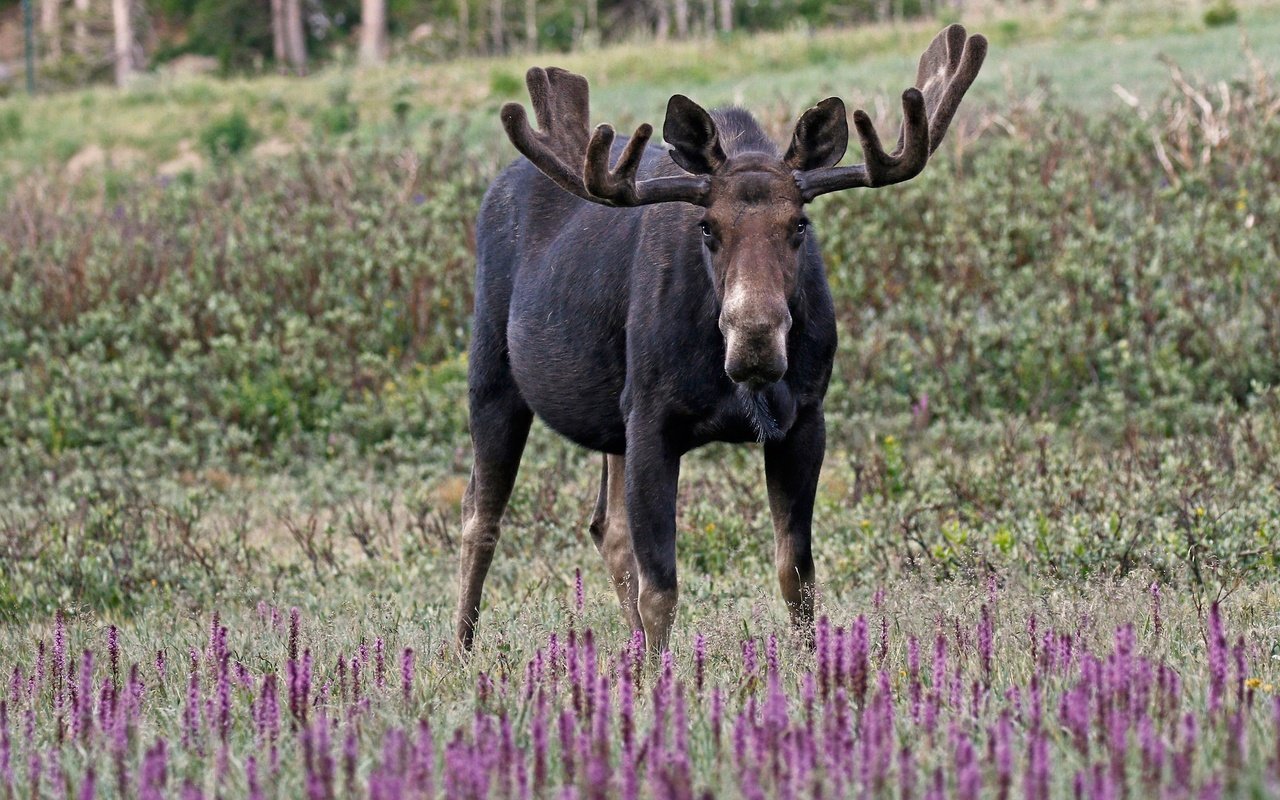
<point>1079,54</point>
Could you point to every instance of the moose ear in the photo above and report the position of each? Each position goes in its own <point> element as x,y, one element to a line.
<point>691,132</point>
<point>821,136</point>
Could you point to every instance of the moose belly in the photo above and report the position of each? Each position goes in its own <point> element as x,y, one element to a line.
<point>572,379</point>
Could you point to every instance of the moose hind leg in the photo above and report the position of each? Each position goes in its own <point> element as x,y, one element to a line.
<point>499,427</point>
<point>612,535</point>
<point>791,472</point>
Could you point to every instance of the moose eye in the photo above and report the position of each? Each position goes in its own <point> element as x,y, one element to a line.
<point>706,229</point>
<point>801,227</point>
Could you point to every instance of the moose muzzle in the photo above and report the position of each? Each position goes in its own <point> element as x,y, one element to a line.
<point>755,344</point>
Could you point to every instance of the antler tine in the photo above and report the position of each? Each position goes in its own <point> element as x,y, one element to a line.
<point>560,103</point>
<point>617,185</point>
<point>947,69</point>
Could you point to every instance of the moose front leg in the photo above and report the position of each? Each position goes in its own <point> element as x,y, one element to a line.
<point>791,468</point>
<point>652,474</point>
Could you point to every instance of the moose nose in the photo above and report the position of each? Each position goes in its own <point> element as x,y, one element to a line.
<point>756,373</point>
<point>756,350</point>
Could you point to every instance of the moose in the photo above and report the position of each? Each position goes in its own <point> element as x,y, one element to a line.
<point>674,299</point>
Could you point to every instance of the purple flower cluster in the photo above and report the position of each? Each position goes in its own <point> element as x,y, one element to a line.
<point>862,715</point>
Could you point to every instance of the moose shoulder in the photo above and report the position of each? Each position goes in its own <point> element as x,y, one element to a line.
<point>673,299</point>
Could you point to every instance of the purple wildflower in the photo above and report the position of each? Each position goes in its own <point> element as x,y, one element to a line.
<point>84,704</point>
<point>87,787</point>
<point>6,765</point>
<point>251,779</point>
<point>59,659</point>
<point>1003,751</point>
<point>406,673</point>
<point>191,712</point>
<point>113,653</point>
<point>699,660</point>
<point>294,618</point>
<point>1157,624</point>
<point>986,636</point>
<point>1217,641</point>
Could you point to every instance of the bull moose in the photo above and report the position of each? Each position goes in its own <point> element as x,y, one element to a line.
<point>675,299</point>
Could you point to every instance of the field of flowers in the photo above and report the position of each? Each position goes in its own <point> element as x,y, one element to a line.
<point>233,445</point>
<point>995,692</point>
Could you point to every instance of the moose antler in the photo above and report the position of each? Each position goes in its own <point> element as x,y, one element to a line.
<point>947,69</point>
<point>579,164</point>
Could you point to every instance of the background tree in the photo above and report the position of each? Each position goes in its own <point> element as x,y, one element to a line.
<point>531,25</point>
<point>51,27</point>
<point>497,27</point>
<point>80,28</point>
<point>122,22</point>
<point>279,50</point>
<point>295,37</point>
<point>373,31</point>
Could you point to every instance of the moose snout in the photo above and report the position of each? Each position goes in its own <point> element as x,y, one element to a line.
<point>756,348</point>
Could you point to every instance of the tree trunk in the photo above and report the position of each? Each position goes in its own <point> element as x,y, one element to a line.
<point>497,29</point>
<point>279,50</point>
<point>531,25</point>
<point>464,26</point>
<point>373,31</point>
<point>122,18</point>
<point>709,17</point>
<point>682,19</point>
<point>80,29</point>
<point>726,16</point>
<point>295,38</point>
<point>662,28</point>
<point>591,27</point>
<point>51,27</point>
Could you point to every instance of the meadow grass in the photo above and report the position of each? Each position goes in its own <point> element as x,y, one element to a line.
<point>948,689</point>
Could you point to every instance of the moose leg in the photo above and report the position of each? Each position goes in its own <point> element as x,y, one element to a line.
<point>499,427</point>
<point>791,471</point>
<point>610,532</point>
<point>652,473</point>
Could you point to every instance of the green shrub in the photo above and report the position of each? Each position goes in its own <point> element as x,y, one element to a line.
<point>341,115</point>
<point>505,84</point>
<point>10,125</point>
<point>1221,13</point>
<point>228,136</point>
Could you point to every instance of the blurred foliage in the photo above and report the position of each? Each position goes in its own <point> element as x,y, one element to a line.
<point>1222,12</point>
<point>238,32</point>
<point>227,136</point>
